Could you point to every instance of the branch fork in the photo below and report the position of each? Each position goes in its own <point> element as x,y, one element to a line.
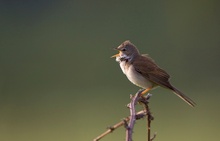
<point>129,121</point>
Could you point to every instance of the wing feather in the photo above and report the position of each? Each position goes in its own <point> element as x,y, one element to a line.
<point>148,68</point>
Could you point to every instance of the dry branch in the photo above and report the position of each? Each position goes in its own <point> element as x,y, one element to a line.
<point>131,106</point>
<point>129,121</point>
<point>139,115</point>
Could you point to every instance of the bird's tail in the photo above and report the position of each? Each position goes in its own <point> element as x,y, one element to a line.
<point>184,97</point>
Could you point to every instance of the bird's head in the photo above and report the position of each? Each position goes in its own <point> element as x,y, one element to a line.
<point>126,50</point>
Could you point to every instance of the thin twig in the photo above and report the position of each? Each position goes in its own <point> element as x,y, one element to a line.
<point>148,121</point>
<point>154,136</point>
<point>139,115</point>
<point>144,100</point>
<point>129,121</point>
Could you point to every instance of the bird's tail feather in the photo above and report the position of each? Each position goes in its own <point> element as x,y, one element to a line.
<point>184,97</point>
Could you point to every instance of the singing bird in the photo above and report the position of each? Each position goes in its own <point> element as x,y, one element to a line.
<point>142,71</point>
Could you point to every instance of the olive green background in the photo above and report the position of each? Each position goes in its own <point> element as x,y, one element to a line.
<point>58,82</point>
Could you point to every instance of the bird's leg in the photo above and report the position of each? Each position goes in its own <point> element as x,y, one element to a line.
<point>145,91</point>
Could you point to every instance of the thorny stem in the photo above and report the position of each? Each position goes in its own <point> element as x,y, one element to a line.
<point>129,121</point>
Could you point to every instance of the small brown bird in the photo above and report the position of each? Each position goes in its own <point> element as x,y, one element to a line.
<point>142,71</point>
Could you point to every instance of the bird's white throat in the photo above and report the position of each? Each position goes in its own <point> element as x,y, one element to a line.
<point>132,75</point>
<point>122,62</point>
<point>122,58</point>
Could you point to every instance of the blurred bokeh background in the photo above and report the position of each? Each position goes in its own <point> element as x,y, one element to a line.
<point>58,83</point>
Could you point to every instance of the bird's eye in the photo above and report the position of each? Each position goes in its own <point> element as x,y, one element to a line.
<point>123,49</point>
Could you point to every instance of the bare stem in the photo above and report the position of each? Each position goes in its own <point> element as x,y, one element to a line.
<point>131,105</point>
<point>129,121</point>
<point>139,115</point>
<point>145,102</point>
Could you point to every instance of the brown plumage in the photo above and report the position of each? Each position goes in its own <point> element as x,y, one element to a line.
<point>143,71</point>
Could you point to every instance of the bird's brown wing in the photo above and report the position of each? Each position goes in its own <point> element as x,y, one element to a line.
<point>147,67</point>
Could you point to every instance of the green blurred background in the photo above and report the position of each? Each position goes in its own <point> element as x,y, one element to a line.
<point>58,83</point>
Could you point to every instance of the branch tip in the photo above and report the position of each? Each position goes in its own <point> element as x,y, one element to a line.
<point>154,136</point>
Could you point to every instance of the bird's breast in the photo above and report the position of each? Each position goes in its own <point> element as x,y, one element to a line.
<point>135,77</point>
<point>123,66</point>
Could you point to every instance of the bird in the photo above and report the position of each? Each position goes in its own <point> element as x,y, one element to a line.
<point>143,72</point>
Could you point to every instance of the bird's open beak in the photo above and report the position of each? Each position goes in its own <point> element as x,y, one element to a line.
<point>116,55</point>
